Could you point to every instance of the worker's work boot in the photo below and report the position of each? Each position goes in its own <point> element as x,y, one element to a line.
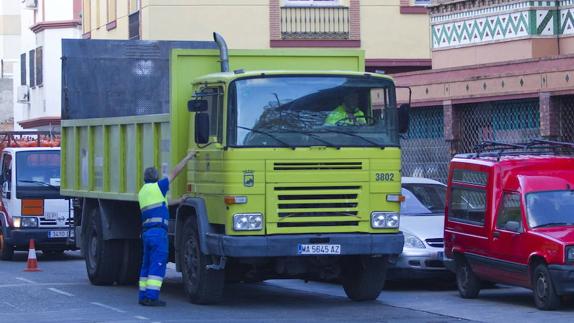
<point>153,302</point>
<point>143,301</point>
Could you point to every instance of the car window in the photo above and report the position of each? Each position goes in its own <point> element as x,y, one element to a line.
<point>423,199</point>
<point>467,205</point>
<point>509,214</point>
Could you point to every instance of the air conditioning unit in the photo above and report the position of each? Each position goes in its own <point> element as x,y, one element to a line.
<point>23,94</point>
<point>31,4</point>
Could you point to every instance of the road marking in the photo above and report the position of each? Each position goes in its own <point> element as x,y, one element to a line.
<point>11,305</point>
<point>139,317</point>
<point>55,290</point>
<point>42,284</point>
<point>108,307</point>
<point>26,280</point>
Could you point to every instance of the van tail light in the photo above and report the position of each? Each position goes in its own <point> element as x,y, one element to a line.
<point>32,207</point>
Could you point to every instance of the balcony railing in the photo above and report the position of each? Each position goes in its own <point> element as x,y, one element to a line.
<point>330,23</point>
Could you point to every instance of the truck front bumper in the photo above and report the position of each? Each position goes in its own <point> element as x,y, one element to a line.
<point>288,245</point>
<point>20,239</point>
<point>562,278</point>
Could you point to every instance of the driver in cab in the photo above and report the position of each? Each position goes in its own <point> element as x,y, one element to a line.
<point>348,113</point>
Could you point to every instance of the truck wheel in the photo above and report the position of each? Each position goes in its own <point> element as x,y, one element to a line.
<point>6,252</point>
<point>102,256</point>
<point>545,296</point>
<point>466,281</point>
<point>131,262</point>
<point>202,285</point>
<point>364,277</point>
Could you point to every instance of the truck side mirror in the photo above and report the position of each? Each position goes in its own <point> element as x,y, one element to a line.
<point>404,118</point>
<point>197,105</point>
<point>513,226</point>
<point>201,128</point>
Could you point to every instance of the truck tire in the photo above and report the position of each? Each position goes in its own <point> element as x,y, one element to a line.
<point>202,285</point>
<point>467,282</point>
<point>131,262</point>
<point>545,295</point>
<point>364,277</point>
<point>102,256</point>
<point>6,252</point>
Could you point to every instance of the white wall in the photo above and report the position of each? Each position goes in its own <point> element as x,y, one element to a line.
<point>45,100</point>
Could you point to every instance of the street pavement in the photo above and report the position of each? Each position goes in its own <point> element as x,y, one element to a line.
<point>61,292</point>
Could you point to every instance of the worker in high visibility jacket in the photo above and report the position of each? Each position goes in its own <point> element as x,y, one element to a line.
<point>348,113</point>
<point>155,216</point>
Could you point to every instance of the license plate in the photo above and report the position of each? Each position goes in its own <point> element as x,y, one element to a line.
<point>319,249</point>
<point>440,255</point>
<point>58,234</point>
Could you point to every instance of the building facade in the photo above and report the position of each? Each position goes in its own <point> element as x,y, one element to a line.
<point>44,23</point>
<point>503,70</point>
<point>9,43</point>
<point>393,33</point>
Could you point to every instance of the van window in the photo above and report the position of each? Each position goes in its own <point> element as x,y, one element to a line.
<point>509,211</point>
<point>473,177</point>
<point>467,205</point>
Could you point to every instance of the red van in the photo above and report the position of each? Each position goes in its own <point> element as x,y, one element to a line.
<point>510,219</point>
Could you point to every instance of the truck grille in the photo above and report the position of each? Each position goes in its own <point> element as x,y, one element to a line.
<point>436,242</point>
<point>306,166</point>
<point>316,206</point>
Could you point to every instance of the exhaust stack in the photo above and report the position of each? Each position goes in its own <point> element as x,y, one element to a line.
<point>223,52</point>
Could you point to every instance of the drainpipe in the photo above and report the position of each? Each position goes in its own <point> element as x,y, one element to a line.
<point>223,53</point>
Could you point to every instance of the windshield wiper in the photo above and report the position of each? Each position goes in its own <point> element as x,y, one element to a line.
<point>310,134</point>
<point>269,135</point>
<point>354,135</point>
<point>41,183</point>
<point>552,224</point>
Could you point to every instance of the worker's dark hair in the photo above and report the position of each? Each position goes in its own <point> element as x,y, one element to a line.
<point>151,175</point>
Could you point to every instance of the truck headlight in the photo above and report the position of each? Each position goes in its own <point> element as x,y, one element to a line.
<point>27,222</point>
<point>247,221</point>
<point>412,241</point>
<point>384,220</point>
<point>570,254</point>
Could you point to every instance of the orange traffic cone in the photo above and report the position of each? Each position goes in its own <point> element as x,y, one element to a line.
<point>32,264</point>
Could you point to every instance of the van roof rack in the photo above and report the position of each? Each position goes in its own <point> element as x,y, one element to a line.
<point>498,149</point>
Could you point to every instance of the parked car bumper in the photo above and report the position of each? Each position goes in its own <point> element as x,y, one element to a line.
<point>288,245</point>
<point>20,239</point>
<point>419,264</point>
<point>562,278</point>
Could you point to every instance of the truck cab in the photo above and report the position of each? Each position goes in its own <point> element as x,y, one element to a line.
<point>509,220</point>
<point>31,205</point>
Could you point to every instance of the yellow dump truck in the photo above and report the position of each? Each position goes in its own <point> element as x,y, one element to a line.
<point>297,173</point>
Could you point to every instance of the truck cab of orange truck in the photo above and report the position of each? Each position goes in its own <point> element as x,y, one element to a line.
<point>510,219</point>
<point>31,206</point>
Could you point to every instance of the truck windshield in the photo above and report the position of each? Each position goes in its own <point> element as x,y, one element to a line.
<point>38,174</point>
<point>302,111</point>
<point>547,209</point>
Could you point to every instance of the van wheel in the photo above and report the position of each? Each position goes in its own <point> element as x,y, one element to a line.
<point>545,296</point>
<point>467,283</point>
<point>6,252</point>
<point>202,285</point>
<point>102,256</point>
<point>364,277</point>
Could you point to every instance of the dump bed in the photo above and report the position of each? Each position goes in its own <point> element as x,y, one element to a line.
<point>125,105</point>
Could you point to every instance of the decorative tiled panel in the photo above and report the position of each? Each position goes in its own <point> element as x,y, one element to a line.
<point>502,22</point>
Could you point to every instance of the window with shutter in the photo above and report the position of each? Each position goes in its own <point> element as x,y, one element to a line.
<point>32,58</point>
<point>39,66</point>
<point>23,69</point>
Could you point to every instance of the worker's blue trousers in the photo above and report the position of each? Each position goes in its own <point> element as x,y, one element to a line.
<point>155,252</point>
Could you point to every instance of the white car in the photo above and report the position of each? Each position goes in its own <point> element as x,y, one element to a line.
<point>422,223</point>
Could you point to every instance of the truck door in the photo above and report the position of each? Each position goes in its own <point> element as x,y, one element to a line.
<point>510,263</point>
<point>6,178</point>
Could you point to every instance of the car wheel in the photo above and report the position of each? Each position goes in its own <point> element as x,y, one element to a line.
<point>545,295</point>
<point>6,252</point>
<point>467,283</point>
